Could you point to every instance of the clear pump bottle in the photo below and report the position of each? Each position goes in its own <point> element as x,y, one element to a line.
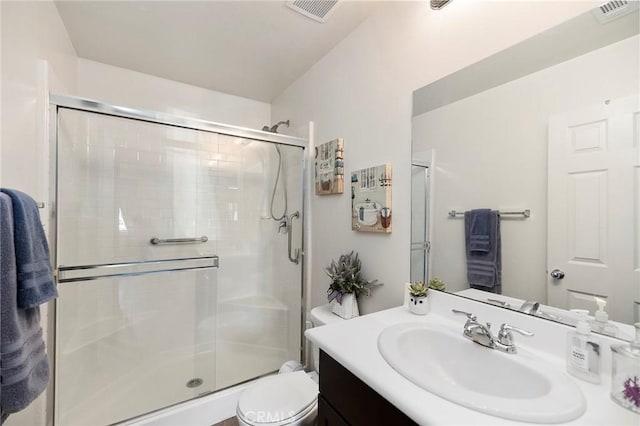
<point>601,322</point>
<point>583,352</point>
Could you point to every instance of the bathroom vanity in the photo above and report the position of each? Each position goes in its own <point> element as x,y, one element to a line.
<point>346,400</point>
<point>358,386</point>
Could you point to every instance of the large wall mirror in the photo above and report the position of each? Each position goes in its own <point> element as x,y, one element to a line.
<point>547,133</point>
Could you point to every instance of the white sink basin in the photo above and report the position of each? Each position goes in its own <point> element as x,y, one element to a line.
<point>512,386</point>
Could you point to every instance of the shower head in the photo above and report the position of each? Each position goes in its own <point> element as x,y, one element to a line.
<point>274,128</point>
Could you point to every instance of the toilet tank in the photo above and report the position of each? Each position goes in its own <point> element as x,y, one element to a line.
<point>321,315</point>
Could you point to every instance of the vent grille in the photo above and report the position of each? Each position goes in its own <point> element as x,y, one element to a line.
<point>439,4</point>
<point>614,9</point>
<point>613,6</point>
<point>318,10</point>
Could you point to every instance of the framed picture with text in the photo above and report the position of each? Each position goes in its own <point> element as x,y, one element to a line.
<point>329,171</point>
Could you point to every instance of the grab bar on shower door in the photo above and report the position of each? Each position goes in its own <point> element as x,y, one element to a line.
<point>296,259</point>
<point>156,240</point>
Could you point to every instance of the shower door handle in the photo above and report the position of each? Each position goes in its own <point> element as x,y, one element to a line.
<point>155,240</point>
<point>295,259</point>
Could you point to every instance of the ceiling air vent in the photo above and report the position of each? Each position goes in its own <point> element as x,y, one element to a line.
<point>439,4</point>
<point>318,10</point>
<point>614,9</point>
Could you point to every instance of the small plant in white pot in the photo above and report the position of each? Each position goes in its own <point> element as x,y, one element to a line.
<point>418,298</point>
<point>346,285</point>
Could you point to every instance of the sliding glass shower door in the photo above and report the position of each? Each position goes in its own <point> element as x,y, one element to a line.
<point>174,280</point>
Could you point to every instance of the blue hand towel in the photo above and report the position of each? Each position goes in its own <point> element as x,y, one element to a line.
<point>484,269</point>
<point>479,233</point>
<point>35,277</point>
<point>24,367</point>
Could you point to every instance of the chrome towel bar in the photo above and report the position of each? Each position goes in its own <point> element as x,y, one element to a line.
<point>156,240</point>
<point>524,213</point>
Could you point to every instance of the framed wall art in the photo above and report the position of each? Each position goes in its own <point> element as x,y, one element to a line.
<point>329,176</point>
<point>371,199</point>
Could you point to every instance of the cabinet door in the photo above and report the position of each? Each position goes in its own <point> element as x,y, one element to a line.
<point>356,402</point>
<point>327,416</point>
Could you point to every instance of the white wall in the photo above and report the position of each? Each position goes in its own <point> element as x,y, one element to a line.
<point>491,151</point>
<point>120,86</point>
<point>361,91</point>
<point>37,56</point>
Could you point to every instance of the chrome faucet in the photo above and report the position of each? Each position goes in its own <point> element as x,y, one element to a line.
<point>505,338</point>
<point>482,335</point>
<point>530,307</point>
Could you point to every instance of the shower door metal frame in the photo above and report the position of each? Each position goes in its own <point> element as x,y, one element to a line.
<point>425,244</point>
<point>57,102</point>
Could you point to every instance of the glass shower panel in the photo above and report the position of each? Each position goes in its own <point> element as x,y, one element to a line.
<point>145,317</point>
<point>259,289</point>
<point>122,182</point>
<point>136,321</point>
<point>130,345</point>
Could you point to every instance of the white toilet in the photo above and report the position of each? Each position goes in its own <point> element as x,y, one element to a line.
<point>286,399</point>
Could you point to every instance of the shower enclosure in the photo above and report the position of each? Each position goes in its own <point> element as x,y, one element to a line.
<point>174,279</point>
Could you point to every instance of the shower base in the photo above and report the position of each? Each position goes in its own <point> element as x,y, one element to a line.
<point>126,398</point>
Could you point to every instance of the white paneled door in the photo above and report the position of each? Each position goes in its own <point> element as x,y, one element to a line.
<point>593,193</point>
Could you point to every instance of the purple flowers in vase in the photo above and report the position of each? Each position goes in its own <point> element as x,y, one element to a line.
<point>631,390</point>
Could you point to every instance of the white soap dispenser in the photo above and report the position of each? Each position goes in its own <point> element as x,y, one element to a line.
<point>583,352</point>
<point>601,322</point>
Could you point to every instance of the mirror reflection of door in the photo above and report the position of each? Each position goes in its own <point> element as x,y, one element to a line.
<point>594,191</point>
<point>419,223</point>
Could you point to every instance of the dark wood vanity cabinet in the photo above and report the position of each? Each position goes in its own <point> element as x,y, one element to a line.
<point>346,400</point>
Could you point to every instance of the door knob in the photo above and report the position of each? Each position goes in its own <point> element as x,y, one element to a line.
<point>557,274</point>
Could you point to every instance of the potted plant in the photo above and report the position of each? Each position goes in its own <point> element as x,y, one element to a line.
<point>437,284</point>
<point>418,298</point>
<point>346,285</point>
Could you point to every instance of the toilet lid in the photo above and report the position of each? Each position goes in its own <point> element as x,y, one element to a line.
<point>277,398</point>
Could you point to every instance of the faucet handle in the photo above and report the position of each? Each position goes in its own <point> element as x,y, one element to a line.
<point>506,338</point>
<point>469,315</point>
<point>507,327</point>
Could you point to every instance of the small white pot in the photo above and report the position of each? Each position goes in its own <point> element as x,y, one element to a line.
<point>349,307</point>
<point>419,305</point>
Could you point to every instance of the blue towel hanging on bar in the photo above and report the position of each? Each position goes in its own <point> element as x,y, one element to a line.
<point>26,281</point>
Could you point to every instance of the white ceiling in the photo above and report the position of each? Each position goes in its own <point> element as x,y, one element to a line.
<point>254,49</point>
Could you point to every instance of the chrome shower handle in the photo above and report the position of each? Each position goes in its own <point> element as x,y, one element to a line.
<point>295,259</point>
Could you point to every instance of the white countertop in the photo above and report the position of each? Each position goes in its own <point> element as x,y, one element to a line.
<point>354,344</point>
